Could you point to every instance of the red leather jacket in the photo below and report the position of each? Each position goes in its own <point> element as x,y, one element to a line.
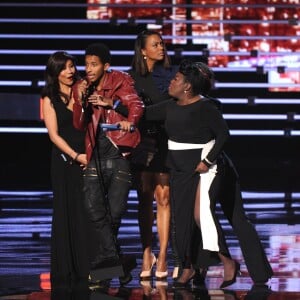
<point>116,85</point>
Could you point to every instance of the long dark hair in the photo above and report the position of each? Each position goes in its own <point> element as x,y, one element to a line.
<point>56,63</point>
<point>139,63</point>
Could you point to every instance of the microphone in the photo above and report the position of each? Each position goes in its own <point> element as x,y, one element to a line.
<point>112,127</point>
<point>88,92</point>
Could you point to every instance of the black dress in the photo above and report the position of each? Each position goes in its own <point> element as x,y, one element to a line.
<point>188,127</point>
<point>153,89</point>
<point>198,123</point>
<point>69,262</point>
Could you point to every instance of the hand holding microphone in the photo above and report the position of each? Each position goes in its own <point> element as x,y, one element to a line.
<point>126,126</point>
<point>86,89</point>
<point>81,89</point>
<point>122,125</point>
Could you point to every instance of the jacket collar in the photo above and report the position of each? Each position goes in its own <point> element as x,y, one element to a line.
<point>108,81</point>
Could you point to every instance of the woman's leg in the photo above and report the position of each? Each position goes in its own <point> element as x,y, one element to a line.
<point>229,267</point>
<point>202,263</point>
<point>197,206</point>
<point>163,215</point>
<point>228,263</point>
<point>176,261</point>
<point>183,187</point>
<point>187,269</point>
<point>145,191</point>
<point>187,272</point>
<point>232,204</point>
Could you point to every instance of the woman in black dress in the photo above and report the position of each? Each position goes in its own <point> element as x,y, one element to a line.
<point>197,133</point>
<point>69,261</point>
<point>152,73</point>
<point>230,198</point>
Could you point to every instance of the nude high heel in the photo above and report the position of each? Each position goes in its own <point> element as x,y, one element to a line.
<point>147,275</point>
<point>175,273</point>
<point>161,275</point>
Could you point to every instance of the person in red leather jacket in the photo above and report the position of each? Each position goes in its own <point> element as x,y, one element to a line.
<point>99,99</point>
<point>108,90</point>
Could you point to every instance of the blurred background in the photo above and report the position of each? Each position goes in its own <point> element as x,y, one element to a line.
<point>253,47</point>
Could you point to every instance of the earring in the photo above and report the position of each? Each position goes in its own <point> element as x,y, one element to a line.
<point>145,57</point>
<point>185,91</point>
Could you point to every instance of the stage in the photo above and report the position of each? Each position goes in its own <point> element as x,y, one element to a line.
<point>25,254</point>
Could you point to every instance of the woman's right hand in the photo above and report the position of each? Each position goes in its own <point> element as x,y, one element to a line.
<point>201,168</point>
<point>81,88</point>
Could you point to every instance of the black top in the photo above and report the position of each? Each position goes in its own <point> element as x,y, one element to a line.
<point>153,89</point>
<point>73,136</point>
<point>197,123</point>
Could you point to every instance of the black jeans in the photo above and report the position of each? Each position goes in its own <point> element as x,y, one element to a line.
<point>106,186</point>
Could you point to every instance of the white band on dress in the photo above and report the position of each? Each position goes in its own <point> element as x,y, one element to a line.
<point>183,146</point>
<point>209,231</point>
<point>207,224</point>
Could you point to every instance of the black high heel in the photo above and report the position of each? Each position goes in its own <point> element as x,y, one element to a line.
<point>199,277</point>
<point>237,271</point>
<point>183,285</point>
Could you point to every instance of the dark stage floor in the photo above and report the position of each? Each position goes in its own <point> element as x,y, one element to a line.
<point>24,260</point>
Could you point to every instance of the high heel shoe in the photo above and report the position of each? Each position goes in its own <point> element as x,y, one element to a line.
<point>182,285</point>
<point>161,275</point>
<point>200,275</point>
<point>175,273</point>
<point>146,275</point>
<point>147,288</point>
<point>237,271</point>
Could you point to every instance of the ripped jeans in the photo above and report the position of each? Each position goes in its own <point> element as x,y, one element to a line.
<point>106,187</point>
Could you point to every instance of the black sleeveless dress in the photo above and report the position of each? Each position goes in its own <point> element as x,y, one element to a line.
<point>69,260</point>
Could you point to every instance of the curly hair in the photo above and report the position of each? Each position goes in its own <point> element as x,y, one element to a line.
<point>100,50</point>
<point>198,74</point>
